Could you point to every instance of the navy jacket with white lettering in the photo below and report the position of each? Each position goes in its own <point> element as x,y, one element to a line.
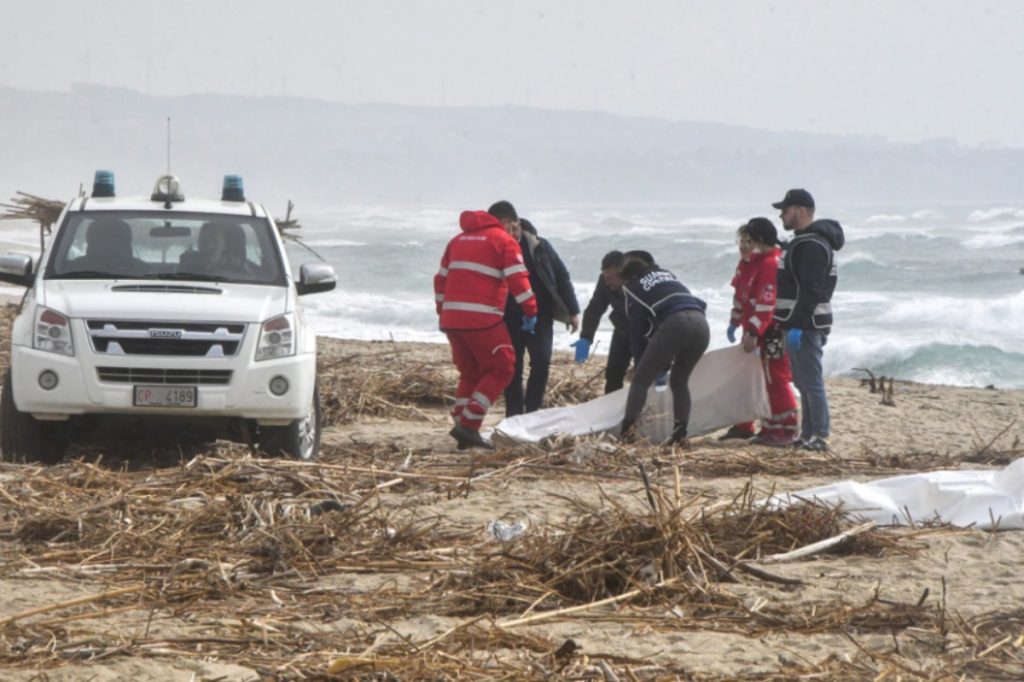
<point>651,297</point>
<point>807,277</point>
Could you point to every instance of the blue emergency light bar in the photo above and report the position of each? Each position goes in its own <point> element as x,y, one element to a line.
<point>233,190</point>
<point>103,184</point>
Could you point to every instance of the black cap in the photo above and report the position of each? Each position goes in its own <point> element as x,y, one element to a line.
<point>796,197</point>
<point>762,231</point>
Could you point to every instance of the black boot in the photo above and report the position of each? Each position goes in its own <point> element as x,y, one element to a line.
<point>468,438</point>
<point>735,433</point>
<point>679,436</point>
<point>627,432</point>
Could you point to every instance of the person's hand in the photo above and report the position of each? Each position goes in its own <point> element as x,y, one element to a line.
<point>795,338</point>
<point>749,342</point>
<point>582,347</point>
<point>574,324</point>
<point>730,333</point>
<point>530,324</point>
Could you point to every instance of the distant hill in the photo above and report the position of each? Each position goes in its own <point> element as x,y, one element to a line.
<point>326,152</point>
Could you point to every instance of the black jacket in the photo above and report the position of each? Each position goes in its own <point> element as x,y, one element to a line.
<point>599,302</point>
<point>650,298</point>
<point>808,276</point>
<point>549,280</point>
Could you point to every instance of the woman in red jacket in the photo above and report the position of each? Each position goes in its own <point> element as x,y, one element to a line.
<point>757,293</point>
<point>740,283</point>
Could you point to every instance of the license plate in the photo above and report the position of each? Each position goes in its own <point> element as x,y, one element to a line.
<point>165,396</point>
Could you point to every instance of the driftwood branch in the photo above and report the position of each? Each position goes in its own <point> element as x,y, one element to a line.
<point>547,615</point>
<point>817,547</point>
<point>889,394</point>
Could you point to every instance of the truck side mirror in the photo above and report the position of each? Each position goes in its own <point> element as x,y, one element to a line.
<point>315,278</point>
<point>17,269</point>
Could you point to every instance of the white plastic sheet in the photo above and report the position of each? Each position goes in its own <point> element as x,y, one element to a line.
<point>726,387</point>
<point>961,498</point>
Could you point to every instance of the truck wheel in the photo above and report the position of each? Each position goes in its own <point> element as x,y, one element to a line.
<point>23,437</point>
<point>300,439</point>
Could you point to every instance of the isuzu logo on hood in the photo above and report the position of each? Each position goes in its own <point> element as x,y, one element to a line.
<point>165,333</point>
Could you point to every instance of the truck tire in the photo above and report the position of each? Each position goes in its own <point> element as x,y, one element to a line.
<point>298,440</point>
<point>23,437</point>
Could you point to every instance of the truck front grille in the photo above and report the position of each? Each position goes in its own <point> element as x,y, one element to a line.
<point>127,337</point>
<point>192,377</point>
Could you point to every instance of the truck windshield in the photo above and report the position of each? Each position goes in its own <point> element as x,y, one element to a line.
<point>153,245</point>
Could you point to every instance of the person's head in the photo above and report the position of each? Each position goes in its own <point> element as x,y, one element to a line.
<point>636,263</point>
<point>108,240</point>
<point>761,234</point>
<point>213,243</point>
<point>611,269</point>
<point>796,210</point>
<point>527,226</point>
<point>234,248</point>
<point>506,214</point>
<point>743,242</point>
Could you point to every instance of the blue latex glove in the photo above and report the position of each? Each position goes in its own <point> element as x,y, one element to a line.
<point>582,347</point>
<point>530,323</point>
<point>730,333</point>
<point>661,379</point>
<point>795,338</point>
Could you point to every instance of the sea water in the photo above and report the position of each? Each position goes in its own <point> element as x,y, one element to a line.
<point>932,294</point>
<point>926,293</point>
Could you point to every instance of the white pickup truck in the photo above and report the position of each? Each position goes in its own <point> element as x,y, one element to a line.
<point>163,312</point>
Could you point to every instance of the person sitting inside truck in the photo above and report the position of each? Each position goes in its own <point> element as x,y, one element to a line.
<point>221,251</point>
<point>234,250</point>
<point>108,249</point>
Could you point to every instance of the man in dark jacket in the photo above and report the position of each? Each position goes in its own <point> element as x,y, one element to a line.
<point>807,278</point>
<point>608,293</point>
<point>556,300</point>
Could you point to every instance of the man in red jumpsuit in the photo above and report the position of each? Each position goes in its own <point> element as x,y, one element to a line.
<point>478,270</point>
<point>757,295</point>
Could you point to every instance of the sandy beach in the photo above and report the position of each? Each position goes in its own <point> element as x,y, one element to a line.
<point>376,562</point>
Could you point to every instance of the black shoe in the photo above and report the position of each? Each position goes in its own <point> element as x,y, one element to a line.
<point>815,444</point>
<point>468,438</point>
<point>627,432</point>
<point>735,433</point>
<point>679,438</point>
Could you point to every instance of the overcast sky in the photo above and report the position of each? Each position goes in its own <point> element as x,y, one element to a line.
<point>905,70</point>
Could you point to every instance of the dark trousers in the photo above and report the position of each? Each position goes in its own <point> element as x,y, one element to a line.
<point>538,345</point>
<point>619,357</point>
<point>680,339</point>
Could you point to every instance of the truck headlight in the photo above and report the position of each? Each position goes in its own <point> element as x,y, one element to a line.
<point>277,338</point>
<point>53,332</point>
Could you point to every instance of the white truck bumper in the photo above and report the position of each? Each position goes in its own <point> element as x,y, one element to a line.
<point>80,390</point>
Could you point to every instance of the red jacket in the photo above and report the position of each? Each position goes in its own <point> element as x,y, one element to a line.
<point>754,284</point>
<point>740,282</point>
<point>478,269</point>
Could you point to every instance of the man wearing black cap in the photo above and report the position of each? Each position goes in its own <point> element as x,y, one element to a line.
<point>807,278</point>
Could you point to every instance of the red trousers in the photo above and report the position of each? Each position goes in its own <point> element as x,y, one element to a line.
<point>486,362</point>
<point>785,420</point>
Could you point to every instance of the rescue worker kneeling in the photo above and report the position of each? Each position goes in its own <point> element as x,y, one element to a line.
<point>478,269</point>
